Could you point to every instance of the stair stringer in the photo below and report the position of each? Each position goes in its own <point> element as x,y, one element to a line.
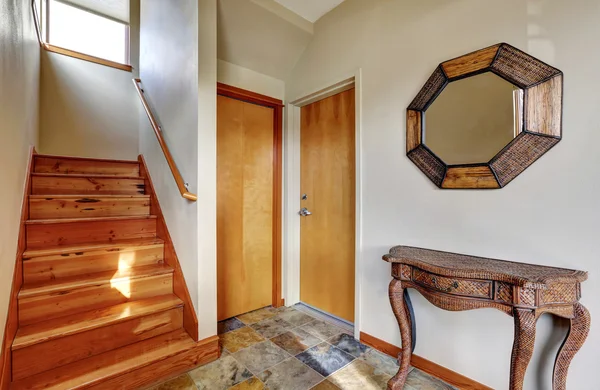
<point>190,319</point>
<point>12,317</point>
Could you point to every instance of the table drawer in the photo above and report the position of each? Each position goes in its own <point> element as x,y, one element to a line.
<point>458,286</point>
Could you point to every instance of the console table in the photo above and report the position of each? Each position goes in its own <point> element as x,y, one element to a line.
<point>458,282</point>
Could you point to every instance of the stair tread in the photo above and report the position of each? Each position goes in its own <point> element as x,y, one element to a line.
<point>86,219</point>
<point>113,245</point>
<point>81,322</point>
<point>59,196</point>
<point>86,175</point>
<point>111,364</point>
<point>85,159</point>
<point>79,281</point>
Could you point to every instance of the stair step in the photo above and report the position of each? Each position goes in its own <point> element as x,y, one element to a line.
<point>74,206</point>
<point>43,301</point>
<point>73,231</point>
<point>74,165</point>
<point>76,337</point>
<point>85,184</point>
<point>65,261</point>
<point>86,219</point>
<point>97,369</point>
<point>80,281</point>
<point>70,325</point>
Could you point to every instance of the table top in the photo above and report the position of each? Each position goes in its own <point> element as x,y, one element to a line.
<point>464,266</point>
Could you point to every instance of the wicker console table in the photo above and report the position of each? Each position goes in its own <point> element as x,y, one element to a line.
<point>457,282</point>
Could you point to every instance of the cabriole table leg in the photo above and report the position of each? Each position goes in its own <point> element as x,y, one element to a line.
<point>578,332</point>
<point>522,347</point>
<point>402,314</point>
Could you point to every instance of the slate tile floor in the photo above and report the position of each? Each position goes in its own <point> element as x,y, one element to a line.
<point>285,349</point>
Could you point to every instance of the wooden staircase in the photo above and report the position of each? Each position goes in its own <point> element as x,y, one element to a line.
<point>103,303</point>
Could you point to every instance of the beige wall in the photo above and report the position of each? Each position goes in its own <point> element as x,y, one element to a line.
<point>87,109</point>
<point>548,215</point>
<point>240,77</point>
<point>471,120</point>
<point>19,94</point>
<point>173,42</point>
<point>207,168</point>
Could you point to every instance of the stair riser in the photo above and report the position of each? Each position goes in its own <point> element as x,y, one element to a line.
<point>44,235</point>
<point>76,166</point>
<point>43,269</point>
<point>86,207</point>
<point>51,185</point>
<point>32,360</point>
<point>163,370</point>
<point>38,308</point>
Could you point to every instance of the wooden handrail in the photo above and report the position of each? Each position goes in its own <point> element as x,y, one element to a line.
<point>163,145</point>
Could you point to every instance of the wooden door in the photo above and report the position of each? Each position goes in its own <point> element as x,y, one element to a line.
<point>245,206</point>
<point>327,236</point>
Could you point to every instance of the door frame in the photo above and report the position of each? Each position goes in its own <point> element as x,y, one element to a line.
<point>277,106</point>
<point>292,187</point>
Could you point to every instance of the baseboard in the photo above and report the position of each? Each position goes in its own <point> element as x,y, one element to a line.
<point>443,373</point>
<point>204,352</point>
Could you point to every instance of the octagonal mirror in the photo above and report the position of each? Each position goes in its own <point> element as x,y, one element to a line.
<point>482,118</point>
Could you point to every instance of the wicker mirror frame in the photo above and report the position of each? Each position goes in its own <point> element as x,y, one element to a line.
<point>542,87</point>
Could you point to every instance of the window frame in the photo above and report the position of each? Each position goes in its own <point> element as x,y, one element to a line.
<point>45,31</point>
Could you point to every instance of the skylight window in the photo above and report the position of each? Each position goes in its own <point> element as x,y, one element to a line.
<point>98,28</point>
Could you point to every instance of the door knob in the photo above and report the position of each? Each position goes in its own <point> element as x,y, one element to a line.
<point>304,212</point>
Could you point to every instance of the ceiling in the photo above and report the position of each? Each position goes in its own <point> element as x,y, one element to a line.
<point>267,36</point>
<point>263,39</point>
<point>310,10</point>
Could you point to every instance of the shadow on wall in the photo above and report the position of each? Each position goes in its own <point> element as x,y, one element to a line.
<point>86,109</point>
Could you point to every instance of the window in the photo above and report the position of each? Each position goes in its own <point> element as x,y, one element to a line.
<point>98,28</point>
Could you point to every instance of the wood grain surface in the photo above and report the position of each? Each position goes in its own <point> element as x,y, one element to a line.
<point>77,165</point>
<point>74,206</point>
<point>470,63</point>
<point>543,105</point>
<point>414,126</point>
<point>327,237</point>
<point>245,206</point>
<point>470,177</point>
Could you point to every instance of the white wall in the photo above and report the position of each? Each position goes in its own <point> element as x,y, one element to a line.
<point>240,77</point>
<point>548,215</point>
<point>19,96</point>
<point>207,168</point>
<point>178,68</point>
<point>87,109</point>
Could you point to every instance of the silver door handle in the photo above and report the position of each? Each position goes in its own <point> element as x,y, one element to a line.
<point>304,212</point>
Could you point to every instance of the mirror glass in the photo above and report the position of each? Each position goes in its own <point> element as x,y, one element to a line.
<point>473,119</point>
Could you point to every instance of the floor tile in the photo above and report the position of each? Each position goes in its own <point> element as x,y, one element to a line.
<point>239,339</point>
<point>295,317</point>
<point>325,358</point>
<point>251,384</point>
<point>296,341</point>
<point>322,329</point>
<point>261,356</point>
<point>325,385</point>
<point>183,382</point>
<point>360,375</point>
<point>229,325</point>
<point>381,360</point>
<point>349,344</point>
<point>272,327</point>
<point>220,374</point>
<point>290,375</point>
<point>422,381</point>
<point>257,315</point>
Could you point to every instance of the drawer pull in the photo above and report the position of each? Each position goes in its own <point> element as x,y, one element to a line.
<point>448,289</point>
